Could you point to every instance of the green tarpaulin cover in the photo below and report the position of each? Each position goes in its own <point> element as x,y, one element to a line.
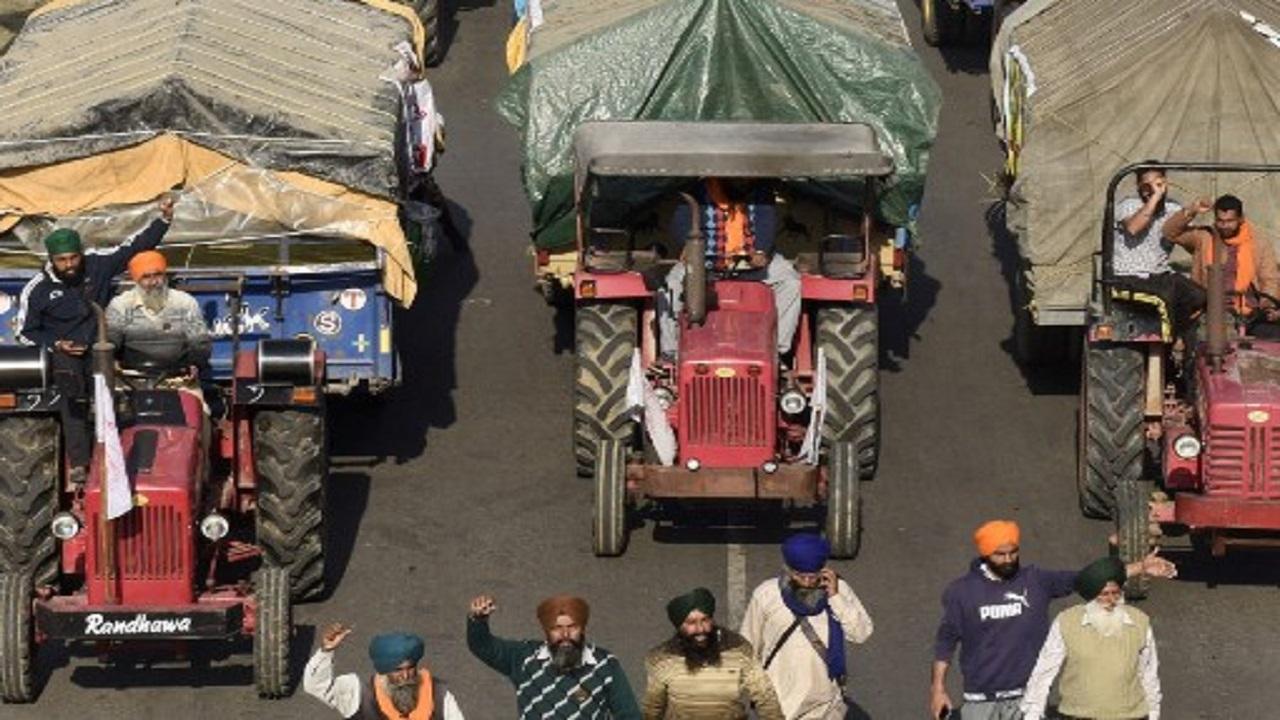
<point>763,60</point>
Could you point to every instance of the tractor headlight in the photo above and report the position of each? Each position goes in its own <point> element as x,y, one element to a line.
<point>666,398</point>
<point>64,526</point>
<point>214,526</point>
<point>793,402</point>
<point>1186,447</point>
<point>770,467</point>
<point>693,464</point>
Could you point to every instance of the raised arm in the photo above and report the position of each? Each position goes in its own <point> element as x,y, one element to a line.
<point>1177,228</point>
<point>146,239</point>
<point>341,693</point>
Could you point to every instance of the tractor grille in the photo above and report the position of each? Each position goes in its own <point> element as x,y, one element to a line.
<point>1243,462</point>
<point>728,412</point>
<point>149,544</point>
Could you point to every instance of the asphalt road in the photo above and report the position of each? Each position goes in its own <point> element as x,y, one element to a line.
<point>464,483</point>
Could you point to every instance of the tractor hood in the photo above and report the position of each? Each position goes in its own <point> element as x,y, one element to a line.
<point>1249,381</point>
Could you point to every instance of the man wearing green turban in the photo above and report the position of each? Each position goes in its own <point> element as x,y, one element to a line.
<point>1105,652</point>
<point>55,312</point>
<point>704,671</point>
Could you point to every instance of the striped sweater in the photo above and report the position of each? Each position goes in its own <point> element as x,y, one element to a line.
<point>597,688</point>
<point>716,692</point>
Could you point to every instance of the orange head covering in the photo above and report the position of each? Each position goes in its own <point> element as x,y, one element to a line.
<point>554,607</point>
<point>145,263</point>
<point>994,534</point>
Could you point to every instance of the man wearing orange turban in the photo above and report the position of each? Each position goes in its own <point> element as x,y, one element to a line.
<point>565,676</point>
<point>998,615</point>
<point>150,313</point>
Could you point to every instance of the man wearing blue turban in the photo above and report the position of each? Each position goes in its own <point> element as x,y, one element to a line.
<point>399,689</point>
<point>798,625</point>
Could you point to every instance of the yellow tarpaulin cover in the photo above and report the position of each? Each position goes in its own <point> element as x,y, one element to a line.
<point>141,173</point>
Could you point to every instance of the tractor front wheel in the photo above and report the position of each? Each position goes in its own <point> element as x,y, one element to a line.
<point>17,640</point>
<point>609,529</point>
<point>848,336</point>
<point>272,633</point>
<point>844,501</point>
<point>1112,437</point>
<point>431,13</point>
<point>28,496</point>
<point>604,342</point>
<point>292,466</point>
<point>1133,530</point>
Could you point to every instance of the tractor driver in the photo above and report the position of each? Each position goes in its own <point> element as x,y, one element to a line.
<point>56,313</point>
<point>151,310</point>
<point>1249,268</point>
<point>739,220</point>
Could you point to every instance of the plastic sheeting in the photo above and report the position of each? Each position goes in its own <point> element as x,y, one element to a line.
<point>1089,86</point>
<point>763,60</point>
<point>291,117</point>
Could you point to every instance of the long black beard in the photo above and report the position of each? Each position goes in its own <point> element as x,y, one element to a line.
<point>567,656</point>
<point>69,279</point>
<point>1004,572</point>
<point>699,655</point>
<point>404,696</point>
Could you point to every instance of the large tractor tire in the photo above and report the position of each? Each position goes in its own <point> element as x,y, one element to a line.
<point>272,632</point>
<point>609,528</point>
<point>605,340</point>
<point>431,13</point>
<point>291,459</point>
<point>17,639</point>
<point>849,337</point>
<point>1133,530</point>
<point>1112,437</point>
<point>28,496</point>
<point>938,21</point>
<point>844,501</point>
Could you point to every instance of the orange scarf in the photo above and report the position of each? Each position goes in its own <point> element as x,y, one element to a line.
<point>1246,270</point>
<point>426,699</point>
<point>735,218</point>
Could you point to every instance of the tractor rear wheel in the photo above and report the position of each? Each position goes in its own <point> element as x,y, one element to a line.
<point>1113,442</point>
<point>292,465</point>
<point>605,340</point>
<point>1133,530</point>
<point>937,22</point>
<point>17,639</point>
<point>609,529</point>
<point>272,632</point>
<point>844,501</point>
<point>849,335</point>
<point>28,496</point>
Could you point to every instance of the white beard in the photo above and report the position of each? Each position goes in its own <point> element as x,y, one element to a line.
<point>154,300</point>
<point>1108,623</point>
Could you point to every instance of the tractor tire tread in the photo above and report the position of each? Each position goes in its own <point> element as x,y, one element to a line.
<point>291,463</point>
<point>273,632</point>
<point>17,641</point>
<point>1113,433</point>
<point>605,340</point>
<point>29,455</point>
<point>844,501</point>
<point>849,337</point>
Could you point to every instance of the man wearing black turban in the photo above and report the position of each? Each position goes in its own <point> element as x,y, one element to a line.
<point>704,671</point>
<point>1105,652</point>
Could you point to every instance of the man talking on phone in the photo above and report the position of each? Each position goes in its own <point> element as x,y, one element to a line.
<point>798,625</point>
<point>56,313</point>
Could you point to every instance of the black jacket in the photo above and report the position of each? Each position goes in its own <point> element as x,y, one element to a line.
<point>49,310</point>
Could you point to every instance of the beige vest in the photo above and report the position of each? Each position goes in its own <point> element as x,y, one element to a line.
<point>1100,677</point>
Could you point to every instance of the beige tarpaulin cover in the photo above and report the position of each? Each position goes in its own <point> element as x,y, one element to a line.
<point>1088,86</point>
<point>285,115</point>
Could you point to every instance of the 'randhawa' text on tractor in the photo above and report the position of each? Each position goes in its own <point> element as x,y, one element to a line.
<point>722,411</point>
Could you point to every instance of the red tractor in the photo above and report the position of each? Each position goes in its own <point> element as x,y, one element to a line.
<point>723,417</point>
<point>1207,419</point>
<point>226,527</point>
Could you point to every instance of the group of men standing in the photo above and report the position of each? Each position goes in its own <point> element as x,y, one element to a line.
<point>787,662</point>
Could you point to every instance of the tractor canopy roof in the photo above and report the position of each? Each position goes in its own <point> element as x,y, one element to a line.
<point>819,151</point>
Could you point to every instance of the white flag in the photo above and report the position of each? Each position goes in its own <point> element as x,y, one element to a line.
<point>811,449</point>
<point>119,497</point>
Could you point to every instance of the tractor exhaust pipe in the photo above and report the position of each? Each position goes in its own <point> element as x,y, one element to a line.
<point>1217,306</point>
<point>694,258</point>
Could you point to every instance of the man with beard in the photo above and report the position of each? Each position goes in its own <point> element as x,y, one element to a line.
<point>1140,261</point>
<point>151,310</point>
<point>401,688</point>
<point>705,672</point>
<point>1105,652</point>
<point>56,313</point>
<point>798,625</point>
<point>561,678</point>
<point>998,613</point>
<point>1249,266</point>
